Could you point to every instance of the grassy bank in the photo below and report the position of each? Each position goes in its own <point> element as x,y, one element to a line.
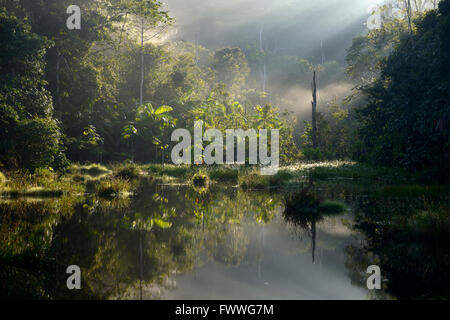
<point>115,178</point>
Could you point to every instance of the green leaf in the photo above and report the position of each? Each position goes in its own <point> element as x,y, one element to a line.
<point>163,109</point>
<point>162,224</point>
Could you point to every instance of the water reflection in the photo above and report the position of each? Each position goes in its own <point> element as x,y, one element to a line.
<point>170,242</point>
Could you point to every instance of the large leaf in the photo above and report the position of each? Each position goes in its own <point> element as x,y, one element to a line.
<point>163,109</point>
<point>162,224</point>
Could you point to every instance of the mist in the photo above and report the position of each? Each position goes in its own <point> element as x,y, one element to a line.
<point>286,30</point>
<point>289,27</point>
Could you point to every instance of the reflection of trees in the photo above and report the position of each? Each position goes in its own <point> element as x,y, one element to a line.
<point>408,238</point>
<point>305,209</point>
<point>128,248</point>
<point>302,210</point>
<point>26,233</point>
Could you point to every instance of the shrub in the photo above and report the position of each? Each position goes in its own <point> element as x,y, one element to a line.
<point>224,174</point>
<point>280,177</point>
<point>200,179</point>
<point>127,171</point>
<point>112,187</point>
<point>2,179</point>
<point>253,180</point>
<point>176,171</point>
<point>40,144</point>
<point>94,170</point>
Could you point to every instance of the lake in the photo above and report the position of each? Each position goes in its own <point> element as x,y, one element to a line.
<point>176,241</point>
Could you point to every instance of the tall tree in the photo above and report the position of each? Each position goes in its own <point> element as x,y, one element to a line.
<point>144,20</point>
<point>30,136</point>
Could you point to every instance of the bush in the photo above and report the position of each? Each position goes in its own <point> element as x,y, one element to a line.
<point>38,144</point>
<point>200,179</point>
<point>94,170</point>
<point>127,171</point>
<point>42,176</point>
<point>112,187</point>
<point>253,180</point>
<point>2,179</point>
<point>224,174</point>
<point>176,171</point>
<point>280,177</point>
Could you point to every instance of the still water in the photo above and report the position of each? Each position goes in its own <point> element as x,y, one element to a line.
<point>181,242</point>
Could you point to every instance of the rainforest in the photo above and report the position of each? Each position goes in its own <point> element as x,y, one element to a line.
<point>349,99</point>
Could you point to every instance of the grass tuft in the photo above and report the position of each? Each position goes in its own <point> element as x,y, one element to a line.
<point>128,171</point>
<point>253,181</point>
<point>200,179</point>
<point>112,187</point>
<point>224,174</point>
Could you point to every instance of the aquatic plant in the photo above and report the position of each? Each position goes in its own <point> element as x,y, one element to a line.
<point>253,180</point>
<point>112,187</point>
<point>126,170</point>
<point>200,179</point>
<point>223,174</point>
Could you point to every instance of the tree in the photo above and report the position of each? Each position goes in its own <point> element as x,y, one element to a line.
<point>231,68</point>
<point>30,136</point>
<point>405,122</point>
<point>147,19</point>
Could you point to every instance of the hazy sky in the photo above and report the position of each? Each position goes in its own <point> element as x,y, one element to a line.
<point>292,26</point>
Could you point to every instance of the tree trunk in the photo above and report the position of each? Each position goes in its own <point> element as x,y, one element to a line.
<point>58,82</point>
<point>314,108</point>
<point>141,100</point>
<point>408,14</point>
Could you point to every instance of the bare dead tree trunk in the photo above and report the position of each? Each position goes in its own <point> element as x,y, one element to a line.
<point>314,108</point>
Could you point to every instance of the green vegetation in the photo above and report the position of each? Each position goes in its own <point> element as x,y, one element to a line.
<point>86,119</point>
<point>224,174</point>
<point>200,179</point>
<point>413,233</point>
<point>329,207</point>
<point>126,171</point>
<point>92,170</point>
<point>104,115</point>
<point>170,170</point>
<point>111,187</point>
<point>2,179</point>
<point>42,184</point>
<point>253,181</point>
<point>405,121</point>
